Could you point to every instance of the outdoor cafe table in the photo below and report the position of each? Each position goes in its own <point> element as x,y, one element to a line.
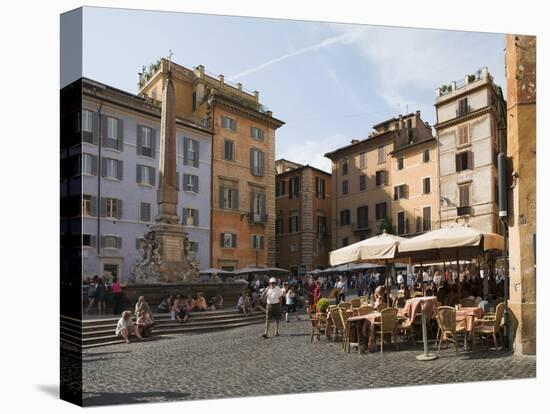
<point>427,305</point>
<point>366,330</point>
<point>466,317</point>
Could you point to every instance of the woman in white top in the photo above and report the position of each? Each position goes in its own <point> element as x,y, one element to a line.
<point>125,326</point>
<point>290,302</point>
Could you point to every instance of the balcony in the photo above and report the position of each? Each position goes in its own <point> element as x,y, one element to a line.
<point>257,218</point>
<point>464,211</point>
<point>361,226</point>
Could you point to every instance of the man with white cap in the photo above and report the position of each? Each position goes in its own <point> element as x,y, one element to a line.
<point>273,295</point>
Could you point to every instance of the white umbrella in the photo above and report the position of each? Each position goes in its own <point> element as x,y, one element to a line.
<point>213,271</point>
<point>376,249</point>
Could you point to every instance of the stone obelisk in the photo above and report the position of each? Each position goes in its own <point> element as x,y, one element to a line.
<point>166,248</point>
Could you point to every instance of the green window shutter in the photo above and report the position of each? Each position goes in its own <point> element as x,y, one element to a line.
<point>119,242</point>
<point>120,135</point>
<point>153,172</point>
<point>119,208</point>
<point>184,216</point>
<point>153,142</point>
<point>196,217</point>
<point>138,173</point>
<point>221,240</point>
<point>251,202</point>
<point>92,240</point>
<point>103,207</point>
<point>177,179</point>
<point>93,206</point>
<point>103,167</point>
<point>261,160</point>
<point>95,128</point>
<point>261,242</point>
<point>252,169</point>
<point>102,241</point>
<point>196,183</point>
<point>94,164</point>
<point>185,153</point>
<point>104,130</point>
<point>234,241</point>
<point>119,170</point>
<point>221,197</point>
<point>235,199</point>
<point>262,204</point>
<point>139,139</point>
<point>185,182</point>
<point>195,144</point>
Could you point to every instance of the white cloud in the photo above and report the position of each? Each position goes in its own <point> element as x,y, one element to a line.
<point>312,151</point>
<point>346,37</point>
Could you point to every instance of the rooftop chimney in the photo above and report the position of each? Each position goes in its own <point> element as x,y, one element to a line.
<point>221,78</point>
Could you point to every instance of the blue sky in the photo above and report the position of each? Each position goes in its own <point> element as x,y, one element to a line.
<point>329,82</point>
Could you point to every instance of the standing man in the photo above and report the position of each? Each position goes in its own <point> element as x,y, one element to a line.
<point>273,294</point>
<point>340,286</point>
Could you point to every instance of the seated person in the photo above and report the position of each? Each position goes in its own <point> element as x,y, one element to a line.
<point>125,326</point>
<point>200,303</point>
<point>190,303</point>
<point>181,309</point>
<point>166,304</point>
<point>142,305</point>
<point>442,292</point>
<point>144,323</point>
<point>216,302</point>
<point>452,297</point>
<point>380,296</point>
<point>243,305</point>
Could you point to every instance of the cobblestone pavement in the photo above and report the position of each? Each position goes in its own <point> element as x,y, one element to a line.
<point>235,363</point>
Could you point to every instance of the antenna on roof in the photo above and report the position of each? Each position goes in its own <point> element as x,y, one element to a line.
<point>170,60</point>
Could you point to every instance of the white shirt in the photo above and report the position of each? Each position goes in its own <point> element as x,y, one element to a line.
<point>339,285</point>
<point>425,277</point>
<point>274,295</point>
<point>400,278</point>
<point>122,323</point>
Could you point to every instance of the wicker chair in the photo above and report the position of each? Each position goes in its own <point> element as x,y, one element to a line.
<point>446,321</point>
<point>337,325</point>
<point>318,325</point>
<point>381,306</point>
<point>355,304</point>
<point>344,315</point>
<point>365,309</point>
<point>489,325</point>
<point>387,326</point>
<point>345,305</point>
<point>467,303</point>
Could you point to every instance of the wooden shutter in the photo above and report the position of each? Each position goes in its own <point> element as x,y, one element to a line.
<point>103,207</point>
<point>195,145</point>
<point>221,197</point>
<point>457,163</point>
<point>153,142</point>
<point>290,188</point>
<point>396,193</point>
<point>177,180</point>
<point>196,183</point>
<point>119,169</point>
<point>92,240</point>
<point>251,202</point>
<point>261,242</point>
<point>184,216</point>
<point>138,174</point>
<point>470,160</point>
<point>252,166</point>
<point>139,139</point>
<point>94,164</point>
<point>185,147</point>
<point>120,135</point>
<point>93,206</point>
<point>221,240</point>
<point>95,128</point>
<point>262,163</point>
<point>118,242</point>
<point>262,204</point>
<point>196,217</point>
<point>235,199</point>
<point>234,240</point>
<point>119,208</point>
<point>104,130</point>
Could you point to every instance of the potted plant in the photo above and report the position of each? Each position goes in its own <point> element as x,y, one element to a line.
<point>322,305</point>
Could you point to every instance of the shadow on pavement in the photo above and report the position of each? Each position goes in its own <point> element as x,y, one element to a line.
<point>112,398</point>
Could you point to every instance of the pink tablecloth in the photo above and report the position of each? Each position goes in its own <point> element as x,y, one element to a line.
<point>466,316</point>
<point>426,304</point>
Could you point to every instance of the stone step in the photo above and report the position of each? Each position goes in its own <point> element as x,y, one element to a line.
<point>168,325</point>
<point>112,338</point>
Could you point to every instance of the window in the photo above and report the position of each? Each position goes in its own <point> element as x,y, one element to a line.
<point>279,225</point>
<point>463,107</point>
<point>229,150</point>
<point>427,218</point>
<point>111,208</point>
<point>111,242</point>
<point>111,168</point>
<point>280,188</point>
<point>381,178</point>
<point>257,162</point>
<point>89,205</point>
<point>194,101</point>
<point>145,141</point>
<point>363,217</point>
<point>463,135</point>
<point>228,240</point>
<point>401,223</point>
<point>321,226</point>
<point>381,154</point>
<point>145,211</point>
<point>229,198</point>
<point>86,121</point>
<point>88,240</point>
<point>257,133</point>
<point>400,163</point>
<point>145,175</point>
<point>112,133</point>
<point>362,182</point>
<point>363,160</point>
<point>426,185</point>
<point>190,217</point>
<point>320,187</point>
<point>194,247</point>
<point>257,242</point>
<point>191,183</point>
<point>400,191</point>
<point>257,207</point>
<point>345,242</point>
<point>380,210</point>
<point>426,155</point>
<point>464,195</point>
<point>89,164</point>
<point>464,161</point>
<point>293,223</point>
<point>293,187</point>
<point>229,123</point>
<point>191,152</point>
<point>344,166</point>
<point>344,217</point>
<point>293,248</point>
<point>345,187</point>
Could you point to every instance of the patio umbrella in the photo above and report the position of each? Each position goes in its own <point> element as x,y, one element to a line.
<point>375,249</point>
<point>212,271</point>
<point>275,270</point>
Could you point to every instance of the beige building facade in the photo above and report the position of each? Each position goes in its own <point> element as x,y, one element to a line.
<point>303,208</point>
<point>469,115</point>
<point>386,181</point>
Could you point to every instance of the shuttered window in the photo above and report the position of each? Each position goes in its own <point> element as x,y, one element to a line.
<point>257,133</point>
<point>426,185</point>
<point>111,168</point>
<point>381,178</point>
<point>229,123</point>
<point>381,154</point>
<point>111,242</point>
<point>427,218</point>
<point>363,217</point>
<point>191,152</point>
<point>463,135</point>
<point>228,240</point>
<point>257,162</point>
<point>111,207</point>
<point>400,191</point>
<point>381,211</point>
<point>464,161</point>
<point>191,183</point>
<point>464,195</point>
<point>228,150</point>
<point>146,141</point>
<point>112,132</point>
<point>345,187</point>
<point>344,217</point>
<point>89,205</point>
<point>229,198</point>
<point>190,217</point>
<point>145,211</point>
<point>145,175</point>
<point>362,182</point>
<point>257,241</point>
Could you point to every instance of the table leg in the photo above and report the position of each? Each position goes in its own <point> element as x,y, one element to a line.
<point>425,356</point>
